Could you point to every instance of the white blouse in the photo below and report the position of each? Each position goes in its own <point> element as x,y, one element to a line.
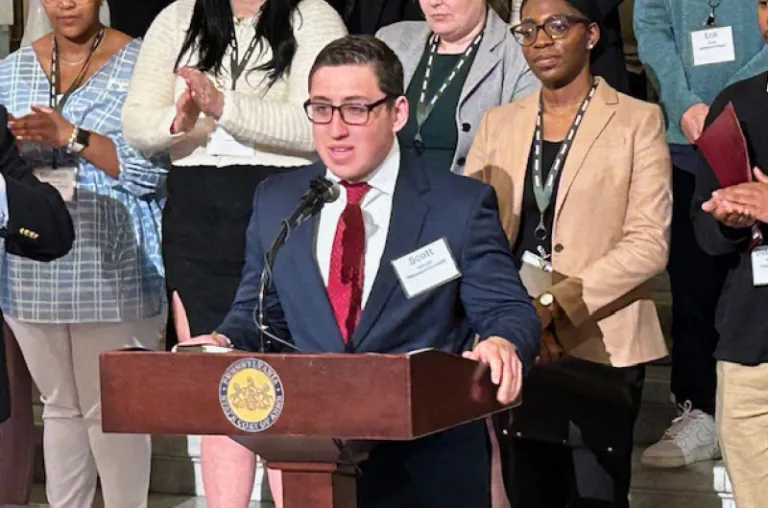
<point>271,120</point>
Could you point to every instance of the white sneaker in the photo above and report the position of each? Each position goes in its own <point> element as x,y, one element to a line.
<point>692,437</point>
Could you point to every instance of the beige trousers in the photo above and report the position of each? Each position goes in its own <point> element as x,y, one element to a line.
<point>742,425</point>
<point>63,360</point>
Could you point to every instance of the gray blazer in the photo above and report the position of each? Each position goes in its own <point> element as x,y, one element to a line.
<point>499,73</point>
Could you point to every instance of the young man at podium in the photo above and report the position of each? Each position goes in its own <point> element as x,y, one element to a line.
<point>400,257</point>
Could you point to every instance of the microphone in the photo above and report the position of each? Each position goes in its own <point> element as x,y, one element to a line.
<point>321,191</point>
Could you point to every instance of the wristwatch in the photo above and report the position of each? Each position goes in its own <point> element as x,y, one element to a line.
<point>546,299</point>
<point>79,140</point>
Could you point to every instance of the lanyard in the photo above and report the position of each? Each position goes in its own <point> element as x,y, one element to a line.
<point>424,108</point>
<point>713,5</point>
<point>543,192</point>
<point>237,66</point>
<point>54,101</point>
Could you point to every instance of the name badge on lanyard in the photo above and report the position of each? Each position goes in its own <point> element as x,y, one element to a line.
<point>713,44</point>
<point>760,266</point>
<point>62,179</point>
<point>221,143</point>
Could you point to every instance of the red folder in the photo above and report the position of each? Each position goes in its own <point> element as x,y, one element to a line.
<point>725,148</point>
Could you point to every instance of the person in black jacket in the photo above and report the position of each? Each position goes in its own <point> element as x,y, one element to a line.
<point>368,16</point>
<point>734,222</point>
<point>34,222</point>
<point>132,17</point>
<point>608,56</point>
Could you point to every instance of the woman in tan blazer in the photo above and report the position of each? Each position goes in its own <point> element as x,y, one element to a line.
<point>582,173</point>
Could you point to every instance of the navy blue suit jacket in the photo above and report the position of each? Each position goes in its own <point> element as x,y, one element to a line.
<point>428,204</point>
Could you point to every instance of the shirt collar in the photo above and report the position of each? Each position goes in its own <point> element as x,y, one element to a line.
<point>383,178</point>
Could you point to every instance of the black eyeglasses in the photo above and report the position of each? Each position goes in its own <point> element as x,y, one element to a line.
<point>351,114</point>
<point>556,27</point>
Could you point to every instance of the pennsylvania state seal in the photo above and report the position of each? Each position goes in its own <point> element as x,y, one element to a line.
<point>251,395</point>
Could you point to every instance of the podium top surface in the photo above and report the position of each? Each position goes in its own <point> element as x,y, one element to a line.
<point>344,396</point>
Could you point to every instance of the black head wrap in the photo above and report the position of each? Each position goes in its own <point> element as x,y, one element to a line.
<point>587,7</point>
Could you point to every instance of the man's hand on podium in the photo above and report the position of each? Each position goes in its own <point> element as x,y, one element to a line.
<point>506,368</point>
<point>181,323</point>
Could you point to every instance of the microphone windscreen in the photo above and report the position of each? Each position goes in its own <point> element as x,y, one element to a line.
<point>332,193</point>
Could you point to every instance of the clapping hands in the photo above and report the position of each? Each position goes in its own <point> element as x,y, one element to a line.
<point>741,206</point>
<point>200,96</point>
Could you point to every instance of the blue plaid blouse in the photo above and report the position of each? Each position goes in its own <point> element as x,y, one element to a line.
<point>114,271</point>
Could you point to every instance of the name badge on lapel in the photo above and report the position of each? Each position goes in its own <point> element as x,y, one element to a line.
<point>62,179</point>
<point>222,143</point>
<point>760,266</point>
<point>426,268</point>
<point>713,46</point>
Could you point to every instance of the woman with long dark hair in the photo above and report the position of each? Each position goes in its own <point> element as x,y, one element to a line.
<point>221,85</point>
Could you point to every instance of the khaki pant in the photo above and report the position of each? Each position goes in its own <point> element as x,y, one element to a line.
<point>742,424</point>
<point>63,360</point>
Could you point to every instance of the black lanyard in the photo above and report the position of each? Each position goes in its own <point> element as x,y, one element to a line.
<point>713,5</point>
<point>237,66</point>
<point>54,101</point>
<point>424,108</point>
<point>543,192</point>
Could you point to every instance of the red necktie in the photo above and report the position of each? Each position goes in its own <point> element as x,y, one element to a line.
<point>345,278</point>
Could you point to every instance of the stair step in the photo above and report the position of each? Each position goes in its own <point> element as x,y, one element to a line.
<point>701,485</point>
<point>650,499</point>
<point>155,501</point>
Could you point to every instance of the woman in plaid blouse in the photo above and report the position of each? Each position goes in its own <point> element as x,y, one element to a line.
<point>108,292</point>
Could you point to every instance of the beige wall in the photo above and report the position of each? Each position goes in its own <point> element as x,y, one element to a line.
<point>6,12</point>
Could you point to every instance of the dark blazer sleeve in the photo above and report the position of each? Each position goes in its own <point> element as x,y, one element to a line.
<point>39,225</point>
<point>239,326</point>
<point>715,238</point>
<point>491,292</point>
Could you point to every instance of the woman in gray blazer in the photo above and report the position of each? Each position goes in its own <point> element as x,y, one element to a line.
<point>460,62</point>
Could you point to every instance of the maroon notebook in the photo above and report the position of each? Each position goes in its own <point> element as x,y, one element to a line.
<point>724,147</point>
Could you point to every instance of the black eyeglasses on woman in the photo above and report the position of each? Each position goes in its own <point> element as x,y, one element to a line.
<point>556,27</point>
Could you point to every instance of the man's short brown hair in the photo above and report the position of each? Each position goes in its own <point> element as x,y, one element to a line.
<point>364,50</point>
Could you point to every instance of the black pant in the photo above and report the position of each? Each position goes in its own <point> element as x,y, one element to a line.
<point>450,469</point>
<point>540,474</point>
<point>204,228</point>
<point>696,280</point>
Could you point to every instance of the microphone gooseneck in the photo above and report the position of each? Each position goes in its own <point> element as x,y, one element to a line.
<point>321,191</point>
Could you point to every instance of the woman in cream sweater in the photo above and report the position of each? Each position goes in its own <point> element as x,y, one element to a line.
<point>221,86</point>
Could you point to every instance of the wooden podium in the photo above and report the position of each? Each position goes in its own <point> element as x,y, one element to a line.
<point>321,413</point>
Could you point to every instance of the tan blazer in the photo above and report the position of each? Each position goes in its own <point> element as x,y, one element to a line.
<point>612,217</point>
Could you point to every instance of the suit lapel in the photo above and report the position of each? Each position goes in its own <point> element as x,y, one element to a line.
<point>599,113</point>
<point>300,251</point>
<point>488,54</point>
<point>408,214</point>
<point>519,140</point>
<point>411,56</point>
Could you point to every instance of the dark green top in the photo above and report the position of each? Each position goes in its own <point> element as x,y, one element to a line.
<point>439,132</point>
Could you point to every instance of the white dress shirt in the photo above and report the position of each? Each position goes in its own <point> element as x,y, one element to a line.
<point>3,204</point>
<point>377,211</point>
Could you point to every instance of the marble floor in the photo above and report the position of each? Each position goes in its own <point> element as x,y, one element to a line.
<point>155,501</point>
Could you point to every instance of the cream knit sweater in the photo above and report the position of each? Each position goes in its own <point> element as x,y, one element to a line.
<point>270,120</point>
